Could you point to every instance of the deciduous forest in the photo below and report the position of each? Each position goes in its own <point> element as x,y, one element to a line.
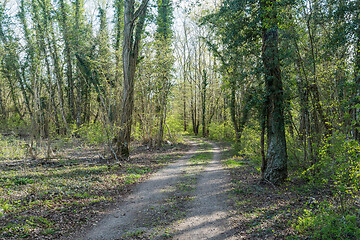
<point>97,96</point>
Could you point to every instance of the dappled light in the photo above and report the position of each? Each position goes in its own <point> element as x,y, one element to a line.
<point>179,119</point>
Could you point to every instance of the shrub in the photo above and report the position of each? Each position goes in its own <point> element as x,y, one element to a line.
<point>327,223</point>
<point>221,131</point>
<point>94,133</point>
<point>338,166</point>
<point>11,148</point>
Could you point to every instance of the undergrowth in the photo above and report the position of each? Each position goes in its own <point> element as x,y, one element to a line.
<point>319,201</point>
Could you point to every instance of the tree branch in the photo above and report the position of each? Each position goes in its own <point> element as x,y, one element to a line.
<point>140,10</point>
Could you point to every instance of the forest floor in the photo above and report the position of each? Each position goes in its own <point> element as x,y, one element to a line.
<point>52,198</point>
<point>197,190</point>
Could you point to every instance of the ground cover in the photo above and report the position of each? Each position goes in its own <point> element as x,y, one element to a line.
<point>295,210</point>
<point>48,199</point>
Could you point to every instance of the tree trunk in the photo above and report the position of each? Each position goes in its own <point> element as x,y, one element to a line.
<point>184,106</point>
<point>119,11</point>
<point>354,111</point>
<point>276,159</point>
<point>69,71</point>
<point>2,106</point>
<point>233,111</point>
<point>58,75</point>
<point>204,86</point>
<point>130,55</point>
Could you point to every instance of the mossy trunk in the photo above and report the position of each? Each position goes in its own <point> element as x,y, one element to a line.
<point>275,170</point>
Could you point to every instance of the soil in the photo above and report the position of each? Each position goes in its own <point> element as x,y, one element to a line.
<point>185,200</point>
<point>210,216</point>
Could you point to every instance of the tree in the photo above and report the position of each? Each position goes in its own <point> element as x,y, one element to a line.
<point>133,27</point>
<point>118,21</point>
<point>164,62</point>
<point>275,167</point>
<point>68,57</point>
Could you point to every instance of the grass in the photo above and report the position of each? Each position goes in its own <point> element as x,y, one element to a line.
<point>203,155</point>
<point>12,148</point>
<point>53,198</point>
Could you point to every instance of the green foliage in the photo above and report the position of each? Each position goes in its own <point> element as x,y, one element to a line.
<point>327,223</point>
<point>25,225</point>
<point>338,165</point>
<point>93,133</point>
<point>175,124</point>
<point>23,181</point>
<point>164,19</point>
<point>223,131</point>
<point>235,162</point>
<point>250,144</point>
<point>11,148</point>
<point>132,178</point>
<point>336,169</point>
<point>138,170</point>
<point>14,123</point>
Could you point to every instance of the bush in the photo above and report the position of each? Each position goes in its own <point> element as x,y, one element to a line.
<point>93,133</point>
<point>338,166</point>
<point>327,223</point>
<point>14,123</point>
<point>221,131</point>
<point>11,148</point>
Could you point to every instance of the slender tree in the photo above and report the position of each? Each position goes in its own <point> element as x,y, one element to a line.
<point>133,27</point>
<point>164,61</point>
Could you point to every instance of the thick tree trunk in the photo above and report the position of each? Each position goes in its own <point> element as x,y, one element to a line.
<point>276,159</point>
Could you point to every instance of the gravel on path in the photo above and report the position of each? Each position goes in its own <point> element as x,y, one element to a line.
<point>207,216</point>
<point>210,215</point>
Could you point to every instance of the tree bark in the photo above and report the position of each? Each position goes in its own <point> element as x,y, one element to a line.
<point>69,71</point>
<point>276,159</point>
<point>131,46</point>
<point>119,11</point>
<point>354,110</point>
<point>204,86</point>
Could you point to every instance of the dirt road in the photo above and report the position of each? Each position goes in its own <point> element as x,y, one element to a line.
<point>186,200</point>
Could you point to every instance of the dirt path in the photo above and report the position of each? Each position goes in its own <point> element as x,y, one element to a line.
<point>210,216</point>
<point>182,201</point>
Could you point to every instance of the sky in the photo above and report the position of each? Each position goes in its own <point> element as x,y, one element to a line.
<point>91,6</point>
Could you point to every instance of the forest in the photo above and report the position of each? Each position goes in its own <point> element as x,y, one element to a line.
<point>97,96</point>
